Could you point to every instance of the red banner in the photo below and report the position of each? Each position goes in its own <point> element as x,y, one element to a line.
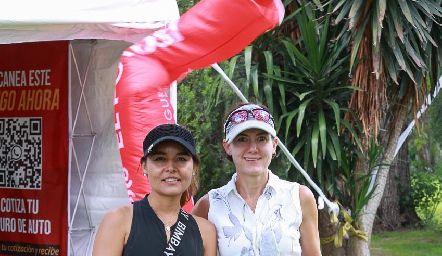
<point>34,148</point>
<point>136,112</point>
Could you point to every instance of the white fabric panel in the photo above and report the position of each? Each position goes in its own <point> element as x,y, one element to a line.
<point>28,12</point>
<point>50,20</point>
<point>104,186</point>
<point>71,32</point>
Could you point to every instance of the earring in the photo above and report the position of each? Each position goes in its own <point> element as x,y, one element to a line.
<point>273,155</point>
<point>144,174</point>
<point>193,173</point>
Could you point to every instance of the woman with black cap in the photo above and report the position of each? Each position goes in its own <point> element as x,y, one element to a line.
<point>157,225</point>
<point>257,213</point>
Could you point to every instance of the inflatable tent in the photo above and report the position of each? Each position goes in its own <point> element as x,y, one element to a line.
<point>61,164</point>
<point>92,34</point>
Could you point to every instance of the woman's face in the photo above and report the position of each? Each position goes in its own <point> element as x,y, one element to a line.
<point>252,151</point>
<point>169,167</point>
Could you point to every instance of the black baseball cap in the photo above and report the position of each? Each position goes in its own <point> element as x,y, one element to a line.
<point>169,132</point>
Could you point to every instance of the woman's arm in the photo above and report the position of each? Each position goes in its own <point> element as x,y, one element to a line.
<point>201,211</point>
<point>208,233</point>
<point>309,240</point>
<point>113,232</point>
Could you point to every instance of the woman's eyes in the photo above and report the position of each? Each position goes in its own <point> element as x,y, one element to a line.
<point>245,139</point>
<point>179,159</point>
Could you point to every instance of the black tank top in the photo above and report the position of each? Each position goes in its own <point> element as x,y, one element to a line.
<point>148,237</point>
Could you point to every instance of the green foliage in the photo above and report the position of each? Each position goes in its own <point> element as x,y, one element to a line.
<point>426,193</point>
<point>426,170</point>
<point>200,113</point>
<point>184,5</point>
<point>426,167</point>
<point>435,116</point>
<point>354,188</point>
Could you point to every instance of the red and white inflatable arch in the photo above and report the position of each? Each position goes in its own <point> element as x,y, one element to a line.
<point>210,32</point>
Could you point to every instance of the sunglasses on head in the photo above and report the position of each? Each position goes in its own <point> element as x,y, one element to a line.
<point>240,116</point>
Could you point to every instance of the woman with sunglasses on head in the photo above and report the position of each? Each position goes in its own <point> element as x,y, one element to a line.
<point>156,224</point>
<point>257,213</point>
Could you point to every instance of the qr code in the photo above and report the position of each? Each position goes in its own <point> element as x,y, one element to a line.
<point>21,152</point>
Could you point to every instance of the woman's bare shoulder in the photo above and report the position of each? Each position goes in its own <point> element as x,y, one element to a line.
<point>203,223</point>
<point>307,200</point>
<point>201,207</point>
<point>113,231</point>
<point>119,218</point>
<point>305,194</point>
<point>120,213</point>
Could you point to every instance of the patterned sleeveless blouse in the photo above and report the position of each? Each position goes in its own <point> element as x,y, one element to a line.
<point>272,230</point>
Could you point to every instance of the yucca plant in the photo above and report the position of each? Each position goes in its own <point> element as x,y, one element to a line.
<point>314,98</point>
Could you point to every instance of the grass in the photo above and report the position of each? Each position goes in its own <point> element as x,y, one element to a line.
<point>409,242</point>
<point>425,242</point>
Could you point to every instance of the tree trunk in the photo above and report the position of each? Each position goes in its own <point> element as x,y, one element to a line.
<point>357,245</point>
<point>328,229</point>
<point>388,217</point>
<point>388,213</point>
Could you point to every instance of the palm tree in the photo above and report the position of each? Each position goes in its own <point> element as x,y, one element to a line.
<point>398,48</point>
